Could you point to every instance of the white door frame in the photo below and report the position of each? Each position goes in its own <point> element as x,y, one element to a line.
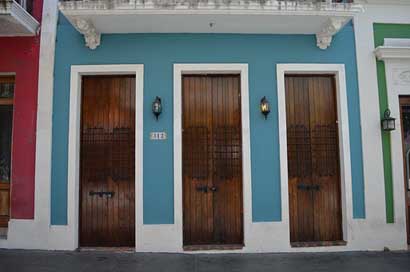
<point>179,71</point>
<point>338,70</point>
<point>396,56</point>
<point>77,71</point>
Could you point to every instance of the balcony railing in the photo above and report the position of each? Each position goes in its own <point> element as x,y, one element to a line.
<point>16,18</point>
<point>198,3</point>
<point>321,17</point>
<point>27,5</point>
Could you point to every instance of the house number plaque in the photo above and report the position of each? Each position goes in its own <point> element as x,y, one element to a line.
<point>158,136</point>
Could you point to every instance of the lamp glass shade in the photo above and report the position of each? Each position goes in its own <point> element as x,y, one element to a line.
<point>388,122</point>
<point>265,107</point>
<point>157,107</point>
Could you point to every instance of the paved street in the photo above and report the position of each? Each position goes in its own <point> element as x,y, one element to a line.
<point>39,261</point>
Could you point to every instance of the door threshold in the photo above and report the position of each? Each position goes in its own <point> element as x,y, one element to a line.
<point>108,249</point>
<point>318,244</point>
<point>213,247</point>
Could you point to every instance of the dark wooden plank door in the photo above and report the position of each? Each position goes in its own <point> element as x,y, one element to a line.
<point>107,204</point>
<point>212,160</point>
<point>405,132</point>
<point>313,159</point>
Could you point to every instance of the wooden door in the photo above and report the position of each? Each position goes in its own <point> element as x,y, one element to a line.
<point>6,128</point>
<point>405,132</point>
<point>107,204</point>
<point>212,160</point>
<point>313,159</point>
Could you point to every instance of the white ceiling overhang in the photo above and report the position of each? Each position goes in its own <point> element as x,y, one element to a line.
<point>93,18</point>
<point>16,21</point>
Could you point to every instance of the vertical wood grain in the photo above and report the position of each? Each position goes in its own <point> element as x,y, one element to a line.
<point>212,159</point>
<point>313,156</point>
<point>107,161</point>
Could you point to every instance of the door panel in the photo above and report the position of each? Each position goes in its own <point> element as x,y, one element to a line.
<point>405,132</point>
<point>227,160</point>
<point>299,159</point>
<point>4,204</point>
<point>6,129</point>
<point>197,162</point>
<point>325,161</point>
<point>107,212</point>
<point>212,160</point>
<point>313,159</point>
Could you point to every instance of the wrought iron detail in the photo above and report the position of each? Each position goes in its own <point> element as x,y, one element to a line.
<point>325,150</point>
<point>299,151</point>
<point>203,188</point>
<point>405,119</point>
<point>101,194</point>
<point>4,168</point>
<point>107,154</point>
<point>308,187</point>
<point>6,90</point>
<point>227,152</point>
<point>6,121</point>
<point>312,152</point>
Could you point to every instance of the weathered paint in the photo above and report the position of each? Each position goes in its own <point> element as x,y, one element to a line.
<point>20,55</point>
<point>382,31</point>
<point>158,53</point>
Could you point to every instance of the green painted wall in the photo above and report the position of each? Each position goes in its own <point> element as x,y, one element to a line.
<point>382,31</point>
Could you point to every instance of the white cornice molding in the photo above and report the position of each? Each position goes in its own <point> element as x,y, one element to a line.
<point>329,29</point>
<point>392,52</point>
<point>91,36</point>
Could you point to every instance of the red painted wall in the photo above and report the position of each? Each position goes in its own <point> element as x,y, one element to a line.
<point>20,55</point>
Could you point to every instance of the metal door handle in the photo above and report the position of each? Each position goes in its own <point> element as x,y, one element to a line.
<point>101,194</point>
<point>303,186</point>
<point>213,189</point>
<point>315,187</point>
<point>203,189</point>
<point>308,187</point>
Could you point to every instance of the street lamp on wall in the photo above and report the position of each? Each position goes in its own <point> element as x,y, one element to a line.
<point>265,107</point>
<point>388,122</point>
<point>157,107</point>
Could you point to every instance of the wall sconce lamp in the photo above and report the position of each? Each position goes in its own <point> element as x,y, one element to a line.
<point>388,123</point>
<point>157,107</point>
<point>265,107</point>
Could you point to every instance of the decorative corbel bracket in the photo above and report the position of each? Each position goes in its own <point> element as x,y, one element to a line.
<point>331,27</point>
<point>91,36</point>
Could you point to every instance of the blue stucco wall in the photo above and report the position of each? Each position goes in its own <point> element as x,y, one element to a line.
<point>158,53</point>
